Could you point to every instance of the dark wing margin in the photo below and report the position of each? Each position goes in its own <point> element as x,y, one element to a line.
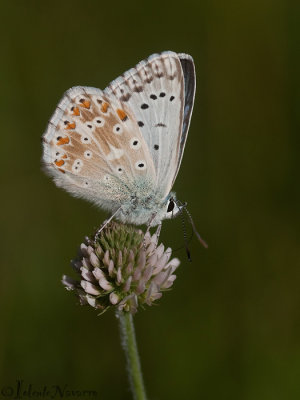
<point>189,74</point>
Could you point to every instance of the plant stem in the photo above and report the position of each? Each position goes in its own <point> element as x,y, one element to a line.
<point>132,358</point>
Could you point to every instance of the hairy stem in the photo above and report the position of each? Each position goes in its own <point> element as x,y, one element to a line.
<point>132,358</point>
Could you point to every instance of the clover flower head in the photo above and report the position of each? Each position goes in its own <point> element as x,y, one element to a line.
<point>123,268</point>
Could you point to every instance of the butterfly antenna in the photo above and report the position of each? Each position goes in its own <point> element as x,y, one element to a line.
<point>185,237</point>
<point>204,244</point>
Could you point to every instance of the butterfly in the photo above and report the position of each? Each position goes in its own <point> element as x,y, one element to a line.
<point>121,148</point>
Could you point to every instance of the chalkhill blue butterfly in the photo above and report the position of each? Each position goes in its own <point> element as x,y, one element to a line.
<point>121,148</point>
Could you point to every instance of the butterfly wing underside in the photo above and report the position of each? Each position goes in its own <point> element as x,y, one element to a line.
<point>94,149</point>
<point>99,144</point>
<point>160,91</point>
<point>189,76</point>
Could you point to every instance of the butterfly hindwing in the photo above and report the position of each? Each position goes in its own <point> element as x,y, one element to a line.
<point>93,147</point>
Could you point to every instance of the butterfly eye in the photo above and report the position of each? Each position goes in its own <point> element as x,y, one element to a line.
<point>135,143</point>
<point>171,206</point>
<point>117,129</point>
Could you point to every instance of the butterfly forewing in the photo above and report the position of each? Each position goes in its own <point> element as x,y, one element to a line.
<point>161,96</point>
<point>189,75</point>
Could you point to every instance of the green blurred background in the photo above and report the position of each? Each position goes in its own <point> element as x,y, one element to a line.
<point>230,328</point>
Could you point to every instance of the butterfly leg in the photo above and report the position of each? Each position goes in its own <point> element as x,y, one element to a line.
<point>157,233</point>
<point>106,222</point>
<point>150,222</point>
<point>148,228</point>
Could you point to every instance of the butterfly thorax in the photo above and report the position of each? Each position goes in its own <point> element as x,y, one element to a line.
<point>149,210</point>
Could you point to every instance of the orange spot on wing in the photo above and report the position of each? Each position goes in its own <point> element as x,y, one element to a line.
<point>62,170</point>
<point>59,163</point>
<point>71,125</point>
<point>86,104</point>
<point>104,107</point>
<point>63,140</point>
<point>64,156</point>
<point>122,115</point>
<point>76,111</point>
